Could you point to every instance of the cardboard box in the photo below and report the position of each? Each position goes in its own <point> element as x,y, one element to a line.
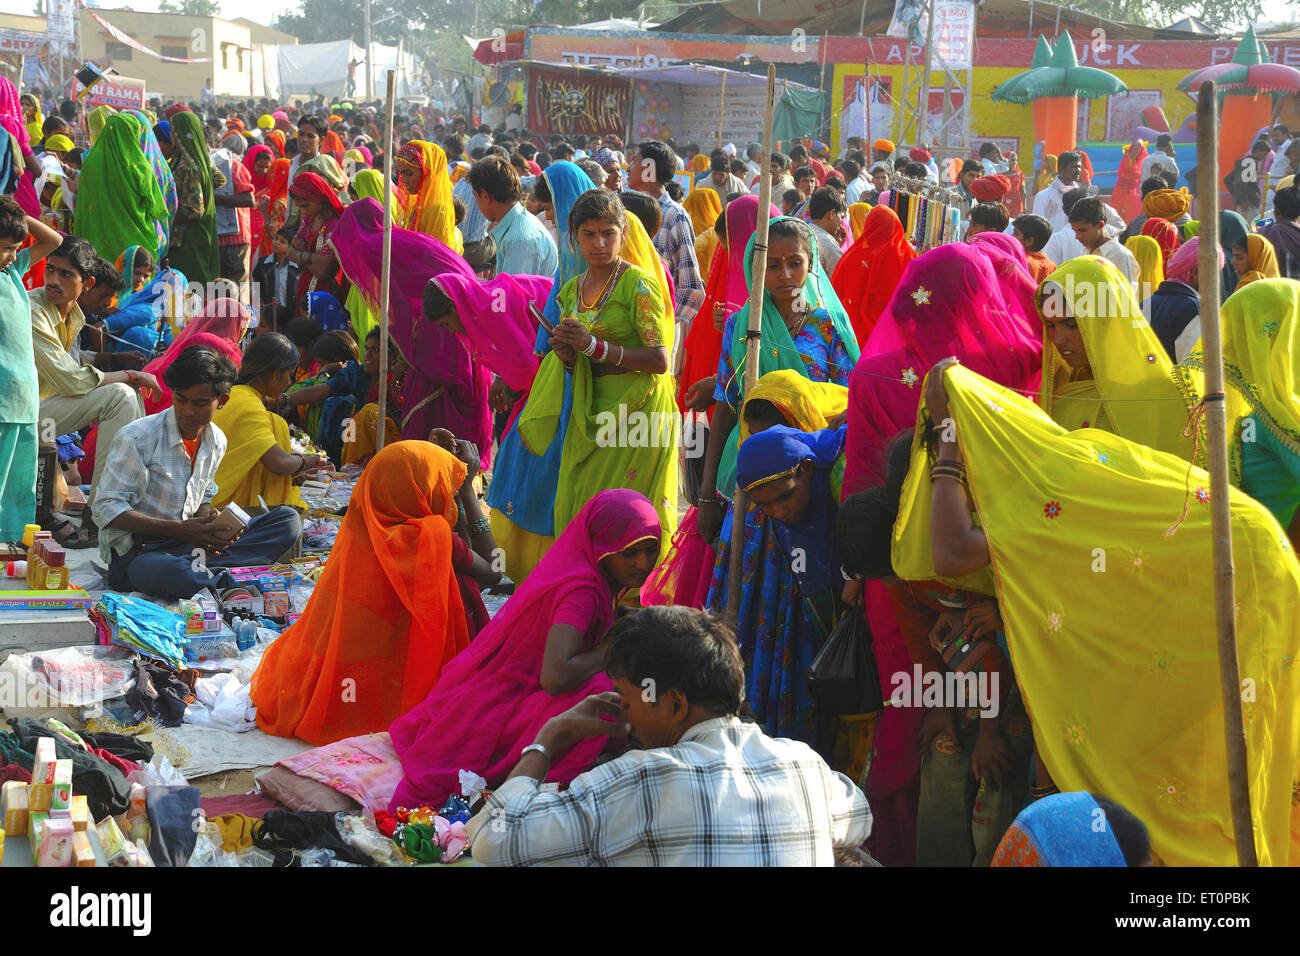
<point>232,518</point>
<point>61,795</point>
<point>80,813</point>
<point>83,854</point>
<point>110,836</point>
<point>56,843</point>
<point>13,805</point>
<point>43,765</point>
<point>35,827</point>
<point>39,796</point>
<point>193,615</point>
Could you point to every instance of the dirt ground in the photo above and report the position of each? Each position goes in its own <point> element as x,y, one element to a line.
<point>227,783</point>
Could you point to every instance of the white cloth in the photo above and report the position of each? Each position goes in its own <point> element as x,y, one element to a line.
<point>1048,204</point>
<point>1161,157</point>
<point>1063,246</point>
<point>1120,257</point>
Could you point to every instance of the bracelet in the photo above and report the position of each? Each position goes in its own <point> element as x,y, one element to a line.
<point>537,748</point>
<point>621,353</point>
<point>938,471</point>
<point>590,349</point>
<point>479,527</point>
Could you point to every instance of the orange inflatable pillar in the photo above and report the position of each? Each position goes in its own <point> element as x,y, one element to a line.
<point>1059,125</point>
<point>1242,117</point>
<point>1040,118</point>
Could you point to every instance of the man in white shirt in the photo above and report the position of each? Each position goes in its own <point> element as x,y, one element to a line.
<point>1088,219</point>
<point>778,168</point>
<point>826,209</point>
<point>1048,203</point>
<point>1162,156</point>
<point>991,159</point>
<point>702,788</point>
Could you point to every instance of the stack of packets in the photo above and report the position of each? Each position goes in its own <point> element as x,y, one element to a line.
<point>270,591</point>
<point>57,822</point>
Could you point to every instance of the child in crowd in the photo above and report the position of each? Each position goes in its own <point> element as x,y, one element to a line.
<point>276,277</point>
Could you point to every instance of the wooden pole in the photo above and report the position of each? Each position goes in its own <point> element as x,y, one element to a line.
<point>1207,152</point>
<point>722,103</point>
<point>923,113</point>
<point>386,266</point>
<point>753,345</point>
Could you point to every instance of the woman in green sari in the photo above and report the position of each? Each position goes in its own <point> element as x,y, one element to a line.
<point>120,202</point>
<point>193,250</point>
<point>368,184</point>
<point>612,346</point>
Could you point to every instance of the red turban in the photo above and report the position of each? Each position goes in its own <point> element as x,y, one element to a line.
<point>313,188</point>
<point>990,188</point>
<point>919,154</point>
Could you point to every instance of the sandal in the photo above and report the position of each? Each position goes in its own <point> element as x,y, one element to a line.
<point>69,536</point>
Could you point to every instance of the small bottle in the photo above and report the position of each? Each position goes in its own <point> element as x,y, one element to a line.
<point>56,568</point>
<point>16,569</point>
<point>35,562</point>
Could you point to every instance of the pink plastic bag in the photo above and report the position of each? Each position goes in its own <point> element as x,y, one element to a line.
<point>685,574</point>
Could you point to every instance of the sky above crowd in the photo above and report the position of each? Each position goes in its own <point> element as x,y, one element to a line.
<point>262,11</point>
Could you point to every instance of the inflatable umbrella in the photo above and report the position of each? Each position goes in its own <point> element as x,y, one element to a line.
<point>1054,88</point>
<point>1247,86</point>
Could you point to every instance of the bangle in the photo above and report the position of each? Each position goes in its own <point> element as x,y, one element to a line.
<point>537,748</point>
<point>479,527</point>
<point>590,349</point>
<point>619,363</point>
<point>955,471</point>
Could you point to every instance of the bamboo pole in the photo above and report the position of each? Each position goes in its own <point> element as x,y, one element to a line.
<point>386,266</point>
<point>753,344</point>
<point>1207,152</point>
<point>722,104</point>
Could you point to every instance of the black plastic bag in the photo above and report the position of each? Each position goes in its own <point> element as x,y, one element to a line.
<point>843,678</point>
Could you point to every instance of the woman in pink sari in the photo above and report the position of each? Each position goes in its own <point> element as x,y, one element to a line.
<point>221,325</point>
<point>444,387</point>
<point>11,117</point>
<point>1007,256</point>
<point>538,657</point>
<point>949,301</point>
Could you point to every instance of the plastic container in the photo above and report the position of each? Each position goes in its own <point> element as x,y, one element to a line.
<point>56,568</point>
<point>30,531</point>
<point>16,569</point>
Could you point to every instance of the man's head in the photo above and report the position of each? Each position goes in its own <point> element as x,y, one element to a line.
<point>1072,197</point>
<point>753,151</point>
<point>1286,204</point>
<point>1069,166</point>
<point>69,270</point>
<point>673,667</point>
<point>971,170</point>
<point>1151,184</point>
<point>200,379</point>
<point>987,217</point>
<point>1278,135</point>
<point>1259,150</point>
<point>991,152</point>
<point>1165,143</point>
<point>96,295</point>
<point>650,165</point>
<point>826,208</point>
<point>1088,220</point>
<point>13,231</point>
<point>310,131</point>
<point>777,165</point>
<point>790,200</point>
<point>1032,232</point>
<point>281,240</point>
<point>851,170</point>
<point>880,177</point>
<point>805,180</point>
<point>496,186</point>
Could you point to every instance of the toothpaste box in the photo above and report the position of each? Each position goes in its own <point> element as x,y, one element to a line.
<point>111,840</point>
<point>83,854</point>
<point>13,806</point>
<point>56,843</point>
<point>61,794</point>
<point>192,613</point>
<point>80,813</point>
<point>43,765</point>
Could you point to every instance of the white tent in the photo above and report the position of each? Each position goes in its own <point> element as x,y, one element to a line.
<point>321,69</point>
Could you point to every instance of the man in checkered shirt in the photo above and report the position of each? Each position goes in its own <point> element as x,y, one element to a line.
<point>703,789</point>
<point>650,167</point>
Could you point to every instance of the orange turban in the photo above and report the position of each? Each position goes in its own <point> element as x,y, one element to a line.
<point>1166,204</point>
<point>884,145</point>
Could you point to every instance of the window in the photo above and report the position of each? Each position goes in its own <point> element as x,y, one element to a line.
<point>179,52</point>
<point>117,51</point>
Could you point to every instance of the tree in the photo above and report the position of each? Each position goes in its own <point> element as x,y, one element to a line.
<point>1217,14</point>
<point>191,8</point>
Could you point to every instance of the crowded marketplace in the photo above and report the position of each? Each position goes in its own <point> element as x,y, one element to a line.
<point>389,480</point>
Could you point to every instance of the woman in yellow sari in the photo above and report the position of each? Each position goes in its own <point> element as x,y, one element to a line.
<point>704,207</point>
<point>424,199</point>
<point>1103,367</point>
<point>96,119</point>
<point>1151,266</point>
<point>1253,258</point>
<point>858,218</point>
<point>259,465</point>
<point>1040,506</point>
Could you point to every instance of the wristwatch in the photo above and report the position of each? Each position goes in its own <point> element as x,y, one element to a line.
<point>537,748</point>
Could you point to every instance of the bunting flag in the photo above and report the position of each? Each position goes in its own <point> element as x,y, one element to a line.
<point>135,44</point>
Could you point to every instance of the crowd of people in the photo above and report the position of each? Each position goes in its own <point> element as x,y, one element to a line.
<point>987,453</point>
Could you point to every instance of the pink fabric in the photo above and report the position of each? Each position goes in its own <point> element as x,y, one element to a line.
<point>364,768</point>
<point>1011,265</point>
<point>498,328</point>
<point>11,117</point>
<point>685,575</point>
<point>742,221</point>
<point>221,325</point>
<point>949,302</point>
<point>437,357</point>
<point>1184,260</point>
<point>489,703</point>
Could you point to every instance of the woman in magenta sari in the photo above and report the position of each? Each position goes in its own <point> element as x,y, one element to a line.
<point>444,387</point>
<point>950,301</point>
<point>1010,265</point>
<point>12,119</point>
<point>538,657</point>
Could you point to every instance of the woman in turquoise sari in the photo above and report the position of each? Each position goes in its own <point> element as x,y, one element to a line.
<point>805,330</point>
<point>610,349</point>
<point>166,181</point>
<point>135,322</point>
<point>522,493</point>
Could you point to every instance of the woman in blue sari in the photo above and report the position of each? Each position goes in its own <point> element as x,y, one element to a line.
<point>522,493</point>
<point>135,325</point>
<point>793,479</point>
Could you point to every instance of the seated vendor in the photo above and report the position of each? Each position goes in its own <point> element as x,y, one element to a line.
<point>703,788</point>
<point>160,532</point>
<point>260,466</point>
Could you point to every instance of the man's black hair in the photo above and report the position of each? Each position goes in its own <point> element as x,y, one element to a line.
<point>661,155</point>
<point>1151,184</point>
<point>674,190</point>
<point>988,149</point>
<point>496,177</point>
<point>971,166</point>
<point>13,220</point>
<point>991,215</point>
<point>201,365</point>
<point>79,254</point>
<point>645,208</point>
<point>825,200</point>
<point>1072,197</point>
<point>1129,832</point>
<point>303,332</point>
<point>792,196</point>
<point>106,274</point>
<point>1034,228</point>
<point>1088,209</point>
<point>803,171</point>
<point>1286,204</point>
<point>864,524</point>
<point>661,649</point>
<point>316,123</point>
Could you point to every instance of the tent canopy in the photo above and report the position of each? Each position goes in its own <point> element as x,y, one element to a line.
<point>698,74</point>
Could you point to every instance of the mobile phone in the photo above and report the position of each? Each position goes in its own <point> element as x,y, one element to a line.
<point>536,313</point>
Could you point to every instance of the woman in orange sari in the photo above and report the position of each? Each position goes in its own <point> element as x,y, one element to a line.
<point>867,275</point>
<point>387,614</point>
<point>276,203</point>
<point>424,194</point>
<point>1126,197</point>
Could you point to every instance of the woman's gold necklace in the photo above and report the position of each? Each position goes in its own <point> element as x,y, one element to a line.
<point>586,278</point>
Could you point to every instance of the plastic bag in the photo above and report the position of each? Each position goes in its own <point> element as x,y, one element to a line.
<point>684,576</point>
<point>843,678</point>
